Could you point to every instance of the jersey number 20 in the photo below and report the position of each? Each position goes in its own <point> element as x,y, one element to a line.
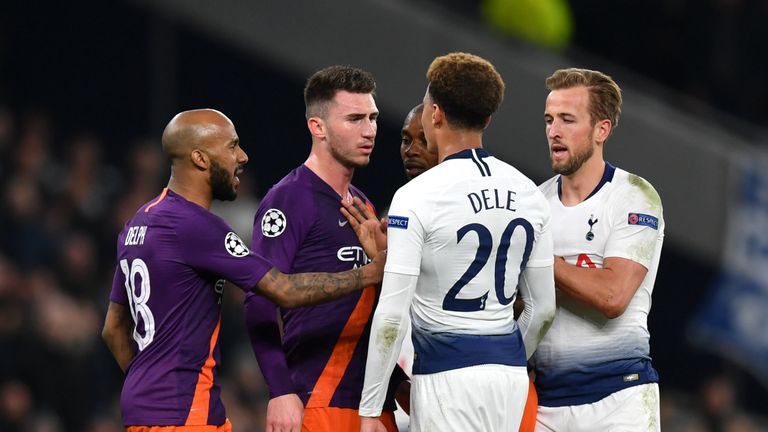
<point>138,301</point>
<point>450,302</point>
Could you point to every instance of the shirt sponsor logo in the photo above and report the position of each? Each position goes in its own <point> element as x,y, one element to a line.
<point>643,220</point>
<point>235,245</point>
<point>354,254</point>
<point>273,223</point>
<point>397,222</point>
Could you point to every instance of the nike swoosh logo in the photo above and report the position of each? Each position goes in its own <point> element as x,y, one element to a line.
<point>341,224</point>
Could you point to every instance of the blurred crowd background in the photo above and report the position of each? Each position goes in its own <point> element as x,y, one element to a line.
<point>80,152</point>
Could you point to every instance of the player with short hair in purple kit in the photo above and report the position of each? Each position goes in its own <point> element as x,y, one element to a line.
<point>315,370</point>
<point>173,259</point>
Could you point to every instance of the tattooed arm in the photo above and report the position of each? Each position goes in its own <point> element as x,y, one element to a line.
<point>303,289</point>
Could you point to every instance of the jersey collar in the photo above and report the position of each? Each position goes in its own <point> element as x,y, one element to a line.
<point>467,154</point>
<point>607,177</point>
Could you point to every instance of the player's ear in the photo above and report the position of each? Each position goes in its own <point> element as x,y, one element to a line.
<point>200,159</point>
<point>316,127</point>
<point>603,130</point>
<point>438,116</point>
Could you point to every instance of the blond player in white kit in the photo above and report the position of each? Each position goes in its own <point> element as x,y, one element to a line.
<point>593,368</point>
<point>465,238</point>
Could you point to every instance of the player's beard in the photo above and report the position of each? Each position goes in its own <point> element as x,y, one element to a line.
<point>222,185</point>
<point>575,162</point>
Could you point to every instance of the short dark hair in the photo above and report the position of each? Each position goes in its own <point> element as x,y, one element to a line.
<point>322,86</point>
<point>467,87</point>
<point>604,93</point>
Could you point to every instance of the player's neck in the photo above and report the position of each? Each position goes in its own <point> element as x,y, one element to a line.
<point>576,187</point>
<point>331,171</point>
<point>200,195</point>
<point>452,141</point>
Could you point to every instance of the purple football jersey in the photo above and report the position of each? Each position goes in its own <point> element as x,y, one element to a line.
<point>299,228</point>
<point>173,258</point>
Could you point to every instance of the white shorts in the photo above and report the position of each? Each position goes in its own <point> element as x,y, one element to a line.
<point>632,409</point>
<point>487,398</point>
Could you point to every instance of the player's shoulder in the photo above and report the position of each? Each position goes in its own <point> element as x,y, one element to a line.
<point>174,218</point>
<point>296,179</point>
<point>195,218</point>
<point>295,187</point>
<point>170,208</point>
<point>629,186</point>
<point>549,187</point>
<point>517,176</point>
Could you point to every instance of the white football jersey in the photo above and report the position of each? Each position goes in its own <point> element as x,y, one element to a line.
<point>586,356</point>
<point>465,228</point>
<point>463,239</point>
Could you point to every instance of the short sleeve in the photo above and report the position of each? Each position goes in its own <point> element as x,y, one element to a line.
<point>405,236</point>
<point>542,254</point>
<point>281,224</point>
<point>119,293</point>
<point>209,245</point>
<point>637,222</point>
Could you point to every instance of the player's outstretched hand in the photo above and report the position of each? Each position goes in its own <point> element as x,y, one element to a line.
<point>371,424</point>
<point>371,232</point>
<point>285,413</point>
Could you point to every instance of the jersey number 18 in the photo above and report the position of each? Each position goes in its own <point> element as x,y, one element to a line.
<point>138,302</point>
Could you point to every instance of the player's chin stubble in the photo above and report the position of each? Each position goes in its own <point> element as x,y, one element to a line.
<point>574,163</point>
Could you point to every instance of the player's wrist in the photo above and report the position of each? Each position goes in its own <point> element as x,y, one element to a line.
<point>373,273</point>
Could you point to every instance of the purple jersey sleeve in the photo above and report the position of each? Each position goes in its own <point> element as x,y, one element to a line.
<point>216,249</point>
<point>119,293</point>
<point>279,227</point>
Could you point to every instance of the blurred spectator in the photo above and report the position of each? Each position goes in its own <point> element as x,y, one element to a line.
<point>6,136</point>
<point>719,402</point>
<point>15,406</point>
<point>23,235</point>
<point>86,184</point>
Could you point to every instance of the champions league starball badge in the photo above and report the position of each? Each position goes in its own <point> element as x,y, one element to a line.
<point>235,245</point>
<point>273,223</point>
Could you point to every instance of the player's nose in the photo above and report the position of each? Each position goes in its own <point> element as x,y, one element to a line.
<point>242,157</point>
<point>553,130</point>
<point>369,130</point>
